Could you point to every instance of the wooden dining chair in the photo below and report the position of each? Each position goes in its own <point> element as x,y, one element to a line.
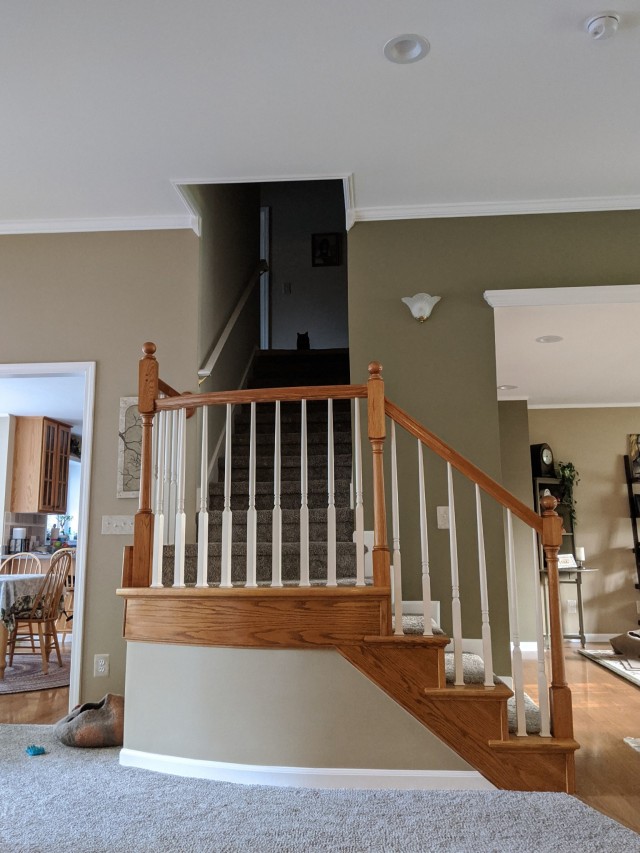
<point>21,564</point>
<point>39,623</point>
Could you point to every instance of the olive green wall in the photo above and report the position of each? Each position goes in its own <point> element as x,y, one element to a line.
<point>595,440</point>
<point>98,297</point>
<point>516,476</point>
<point>443,371</point>
<point>282,707</point>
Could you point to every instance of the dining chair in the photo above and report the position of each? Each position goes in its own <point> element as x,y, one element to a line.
<point>21,564</point>
<point>39,622</point>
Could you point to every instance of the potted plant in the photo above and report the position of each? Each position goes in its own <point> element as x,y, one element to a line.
<point>569,479</point>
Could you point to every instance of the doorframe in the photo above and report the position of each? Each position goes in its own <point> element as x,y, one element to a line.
<point>59,370</point>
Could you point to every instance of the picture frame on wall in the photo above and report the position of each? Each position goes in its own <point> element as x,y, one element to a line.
<point>129,448</point>
<point>326,250</point>
<point>633,443</point>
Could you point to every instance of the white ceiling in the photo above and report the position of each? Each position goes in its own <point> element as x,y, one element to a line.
<point>59,397</point>
<point>106,106</point>
<point>596,363</point>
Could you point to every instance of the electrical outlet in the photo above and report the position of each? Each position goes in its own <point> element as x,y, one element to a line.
<point>572,605</point>
<point>100,666</point>
<point>442,516</point>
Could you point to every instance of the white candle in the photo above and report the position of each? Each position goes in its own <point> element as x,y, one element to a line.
<point>580,555</point>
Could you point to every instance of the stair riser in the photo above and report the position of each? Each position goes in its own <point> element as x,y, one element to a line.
<point>289,475</point>
<point>289,516</point>
<point>290,532</point>
<point>289,459</point>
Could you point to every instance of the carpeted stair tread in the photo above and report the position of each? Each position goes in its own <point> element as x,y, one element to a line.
<point>291,460</point>
<point>290,532</point>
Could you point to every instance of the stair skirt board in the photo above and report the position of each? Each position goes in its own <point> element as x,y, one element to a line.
<point>306,777</point>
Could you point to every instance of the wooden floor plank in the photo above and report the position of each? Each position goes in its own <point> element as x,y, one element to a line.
<point>606,709</point>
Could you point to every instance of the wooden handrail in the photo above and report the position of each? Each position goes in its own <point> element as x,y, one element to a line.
<point>163,388</point>
<point>464,466</point>
<point>210,362</point>
<point>261,395</point>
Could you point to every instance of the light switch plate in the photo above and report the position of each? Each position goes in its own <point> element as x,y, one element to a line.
<point>118,524</point>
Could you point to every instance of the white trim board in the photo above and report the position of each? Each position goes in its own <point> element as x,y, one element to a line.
<point>87,370</point>
<point>497,208</point>
<point>115,223</point>
<point>306,777</point>
<point>542,296</point>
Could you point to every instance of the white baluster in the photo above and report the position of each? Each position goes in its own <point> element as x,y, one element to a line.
<point>543,684</point>
<point>359,511</point>
<point>424,547</point>
<point>166,503</point>
<point>158,519</point>
<point>516,654</point>
<point>456,612</point>
<point>227,514</point>
<point>181,518</point>
<point>487,653</point>
<point>173,477</point>
<point>304,499</point>
<point>276,523</point>
<point>331,507</point>
<point>395,521</point>
<point>203,515</point>
<point>252,515</point>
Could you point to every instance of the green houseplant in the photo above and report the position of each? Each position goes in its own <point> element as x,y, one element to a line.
<point>569,479</point>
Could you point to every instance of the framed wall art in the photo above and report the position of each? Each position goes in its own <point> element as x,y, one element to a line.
<point>129,448</point>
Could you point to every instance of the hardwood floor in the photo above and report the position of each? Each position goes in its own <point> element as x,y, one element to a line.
<point>606,710</point>
<point>40,706</point>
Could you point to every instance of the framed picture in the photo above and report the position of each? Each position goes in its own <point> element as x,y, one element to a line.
<point>326,250</point>
<point>567,561</point>
<point>634,453</point>
<point>129,448</point>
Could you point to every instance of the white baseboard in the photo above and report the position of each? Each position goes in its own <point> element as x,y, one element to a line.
<point>305,777</point>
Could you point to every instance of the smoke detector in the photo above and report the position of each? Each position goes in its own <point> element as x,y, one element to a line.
<point>602,26</point>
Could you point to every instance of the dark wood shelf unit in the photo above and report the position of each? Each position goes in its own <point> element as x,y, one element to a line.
<point>634,512</point>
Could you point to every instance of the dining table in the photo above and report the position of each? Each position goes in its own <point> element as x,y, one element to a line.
<point>17,593</point>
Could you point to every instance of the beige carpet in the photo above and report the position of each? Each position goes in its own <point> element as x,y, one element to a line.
<point>83,800</point>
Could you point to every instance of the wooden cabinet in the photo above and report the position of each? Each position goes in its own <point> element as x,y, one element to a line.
<point>40,466</point>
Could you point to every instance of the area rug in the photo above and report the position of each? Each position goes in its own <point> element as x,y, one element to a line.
<point>83,800</point>
<point>625,668</point>
<point>26,674</point>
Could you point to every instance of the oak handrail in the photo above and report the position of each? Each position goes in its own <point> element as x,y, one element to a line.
<point>214,354</point>
<point>464,466</point>
<point>261,395</point>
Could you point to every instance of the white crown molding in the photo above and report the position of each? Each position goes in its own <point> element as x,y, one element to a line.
<point>115,223</point>
<point>346,178</point>
<point>497,208</point>
<point>305,777</point>
<point>626,405</point>
<point>542,296</point>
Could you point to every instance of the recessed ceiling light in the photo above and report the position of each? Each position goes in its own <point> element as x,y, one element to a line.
<point>549,339</point>
<point>406,48</point>
<point>507,387</point>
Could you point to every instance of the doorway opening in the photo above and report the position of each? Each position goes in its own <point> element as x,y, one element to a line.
<point>64,392</point>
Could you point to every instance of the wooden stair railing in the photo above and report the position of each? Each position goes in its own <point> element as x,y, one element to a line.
<point>138,560</point>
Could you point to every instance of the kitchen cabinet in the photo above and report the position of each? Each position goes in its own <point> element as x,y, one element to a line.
<point>40,466</point>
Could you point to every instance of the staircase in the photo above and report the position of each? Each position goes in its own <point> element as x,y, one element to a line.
<point>471,716</point>
<point>284,369</point>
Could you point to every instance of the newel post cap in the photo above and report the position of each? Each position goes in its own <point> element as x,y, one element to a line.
<point>149,349</point>
<point>375,370</point>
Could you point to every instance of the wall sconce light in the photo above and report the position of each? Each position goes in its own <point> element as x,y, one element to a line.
<point>421,305</point>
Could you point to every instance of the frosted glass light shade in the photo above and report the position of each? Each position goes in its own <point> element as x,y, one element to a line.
<point>421,305</point>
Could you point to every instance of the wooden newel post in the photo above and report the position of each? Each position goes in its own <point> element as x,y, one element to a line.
<point>143,522</point>
<point>377,434</point>
<point>559,693</point>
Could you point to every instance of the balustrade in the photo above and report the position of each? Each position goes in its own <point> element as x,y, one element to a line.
<point>163,483</point>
